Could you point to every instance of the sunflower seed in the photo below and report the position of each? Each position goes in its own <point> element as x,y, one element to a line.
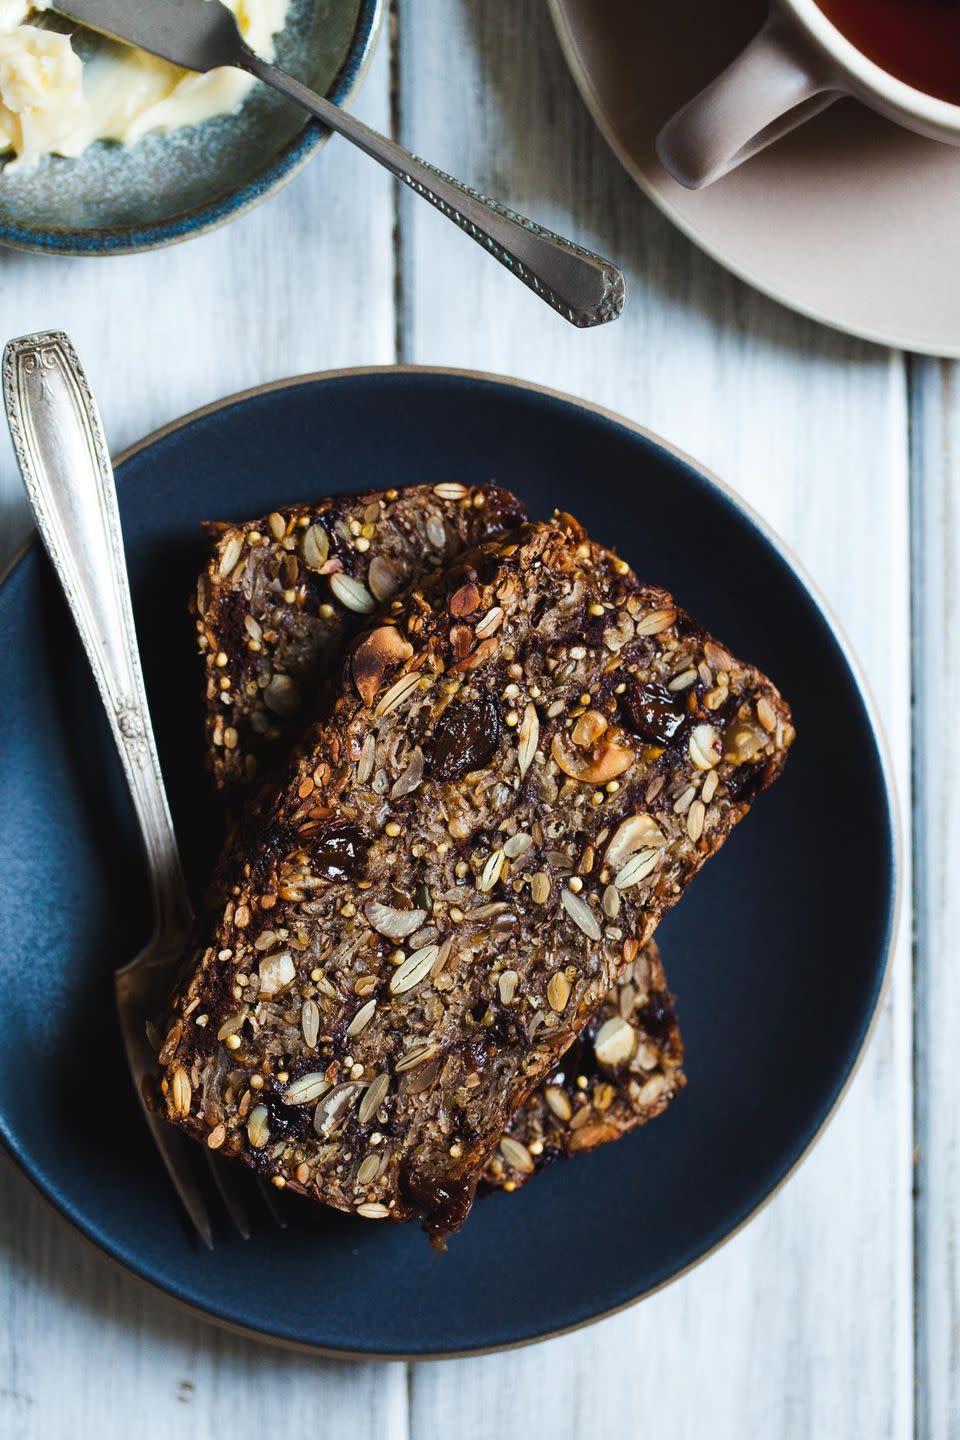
<point>490,623</point>
<point>231,1026</point>
<point>306,1088</point>
<point>413,970</point>
<point>253,627</point>
<point>436,532</point>
<point>368,752</point>
<point>362,1018</point>
<point>492,871</point>
<point>559,1102</point>
<point>517,845</point>
<point>529,736</point>
<point>398,692</point>
<point>443,955</point>
<point>278,526</point>
<point>373,1097</point>
<point>683,681</point>
<point>507,986</point>
<point>655,622</point>
<point>616,1041</point>
<point>540,887</point>
<point>450,490</point>
<point>704,747</point>
<point>367,1169</point>
<point>315,547</point>
<point>684,801</point>
<point>181,1090</point>
<point>229,556</point>
<point>310,1023</point>
<point>695,818</point>
<point>351,594</point>
<point>408,781</point>
<point>580,913</point>
<point>396,924</point>
<point>416,1056</point>
<point>611,902</point>
<point>216,1137</point>
<point>637,868</point>
<point>258,1129</point>
<point>558,990</point>
<point>516,1155</point>
<point>373,1210</point>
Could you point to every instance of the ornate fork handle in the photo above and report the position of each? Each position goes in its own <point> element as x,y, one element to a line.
<point>580,285</point>
<point>59,443</point>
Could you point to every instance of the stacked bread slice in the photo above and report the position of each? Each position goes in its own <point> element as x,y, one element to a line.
<point>430,961</point>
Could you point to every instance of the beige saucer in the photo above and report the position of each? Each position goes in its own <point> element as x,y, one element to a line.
<point>850,219</point>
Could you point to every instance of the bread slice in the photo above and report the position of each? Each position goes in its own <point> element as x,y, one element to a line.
<point>279,596</point>
<point>623,1070</point>
<point>602,1100</point>
<point>522,773</point>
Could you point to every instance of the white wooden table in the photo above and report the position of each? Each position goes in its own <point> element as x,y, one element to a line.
<point>835,1314</point>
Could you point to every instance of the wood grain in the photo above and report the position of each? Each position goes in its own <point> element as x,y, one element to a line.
<point>303,282</point>
<point>802,1325</point>
<point>935,463</point>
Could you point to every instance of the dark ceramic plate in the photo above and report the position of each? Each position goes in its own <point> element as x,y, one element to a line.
<point>769,1047</point>
<point>115,198</point>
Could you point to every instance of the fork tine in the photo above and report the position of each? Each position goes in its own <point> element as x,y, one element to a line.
<point>175,1151</point>
<point>228,1187</point>
<point>270,1205</point>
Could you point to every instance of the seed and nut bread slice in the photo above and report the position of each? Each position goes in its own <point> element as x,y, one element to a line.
<point>523,771</point>
<point>588,1101</point>
<point>620,1072</point>
<point>280,595</point>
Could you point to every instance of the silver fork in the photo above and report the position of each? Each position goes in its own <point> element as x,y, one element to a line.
<point>202,35</point>
<point>60,447</point>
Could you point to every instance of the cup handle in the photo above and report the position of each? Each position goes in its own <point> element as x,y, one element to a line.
<point>776,84</point>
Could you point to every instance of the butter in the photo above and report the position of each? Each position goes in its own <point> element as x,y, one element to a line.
<point>53,104</point>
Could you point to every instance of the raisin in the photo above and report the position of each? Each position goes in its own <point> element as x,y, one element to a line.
<point>653,713</point>
<point>657,1017</point>
<point>286,1122</point>
<point>465,738</point>
<point>339,852</point>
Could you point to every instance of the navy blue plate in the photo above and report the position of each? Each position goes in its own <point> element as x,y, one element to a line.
<point>770,1042</point>
<point>118,198</point>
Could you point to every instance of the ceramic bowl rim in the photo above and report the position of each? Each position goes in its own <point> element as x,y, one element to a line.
<point>134,239</point>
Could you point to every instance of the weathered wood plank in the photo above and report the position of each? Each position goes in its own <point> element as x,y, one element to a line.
<point>935,459</point>
<point>84,1349</point>
<point>802,1325</point>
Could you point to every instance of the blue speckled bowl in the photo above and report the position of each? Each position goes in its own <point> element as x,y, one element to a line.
<point>118,198</point>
